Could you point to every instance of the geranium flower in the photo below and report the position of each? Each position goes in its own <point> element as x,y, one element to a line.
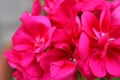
<point>99,44</point>
<point>59,57</point>
<point>25,68</point>
<point>59,63</point>
<point>32,38</point>
<point>66,18</point>
<point>75,36</point>
<point>34,33</point>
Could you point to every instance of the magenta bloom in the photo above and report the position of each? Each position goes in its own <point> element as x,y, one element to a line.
<point>59,59</point>
<point>59,63</point>
<point>75,38</point>
<point>32,38</point>
<point>99,49</point>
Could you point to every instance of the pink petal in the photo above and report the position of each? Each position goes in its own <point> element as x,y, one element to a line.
<point>84,44</point>
<point>22,76</point>
<point>105,20</point>
<point>90,23</point>
<point>112,66</point>
<point>34,70</point>
<point>27,58</point>
<point>22,47</point>
<point>116,16</point>
<point>50,56</point>
<point>84,69</point>
<point>18,75</point>
<point>49,35</point>
<point>88,5</point>
<point>14,59</point>
<point>45,76</point>
<point>21,37</point>
<point>115,43</point>
<point>25,16</point>
<point>115,3</point>
<point>115,33</point>
<point>73,28</point>
<point>92,5</point>
<point>38,24</point>
<point>113,58</point>
<point>60,36</point>
<point>51,6</point>
<point>47,39</point>
<point>63,46</point>
<point>64,72</point>
<point>64,14</point>
<point>36,9</point>
<point>97,66</point>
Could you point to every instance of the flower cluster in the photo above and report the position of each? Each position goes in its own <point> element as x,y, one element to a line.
<point>75,37</point>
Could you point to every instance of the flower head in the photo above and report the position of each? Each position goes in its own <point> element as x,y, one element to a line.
<point>99,51</point>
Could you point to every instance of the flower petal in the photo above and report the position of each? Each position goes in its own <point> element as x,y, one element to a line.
<point>105,20</point>
<point>22,47</point>
<point>22,37</point>
<point>18,75</point>
<point>116,16</point>
<point>35,24</point>
<point>62,70</point>
<point>115,44</point>
<point>36,8</point>
<point>27,58</point>
<point>34,70</point>
<point>63,46</point>
<point>14,59</point>
<point>90,23</point>
<point>50,56</point>
<point>97,66</point>
<point>112,66</point>
<point>84,69</point>
<point>83,46</point>
<point>90,5</point>
<point>60,36</point>
<point>51,6</point>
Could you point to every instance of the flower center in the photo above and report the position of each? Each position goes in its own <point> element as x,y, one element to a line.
<point>39,41</point>
<point>102,41</point>
<point>103,44</point>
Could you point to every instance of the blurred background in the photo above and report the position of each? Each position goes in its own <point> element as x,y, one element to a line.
<point>10,11</point>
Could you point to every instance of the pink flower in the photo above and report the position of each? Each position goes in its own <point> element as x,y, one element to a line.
<point>59,58</point>
<point>51,6</point>
<point>32,38</point>
<point>76,36</point>
<point>21,76</point>
<point>59,63</point>
<point>33,34</point>
<point>66,18</point>
<point>26,66</point>
<point>99,49</point>
<point>26,42</point>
